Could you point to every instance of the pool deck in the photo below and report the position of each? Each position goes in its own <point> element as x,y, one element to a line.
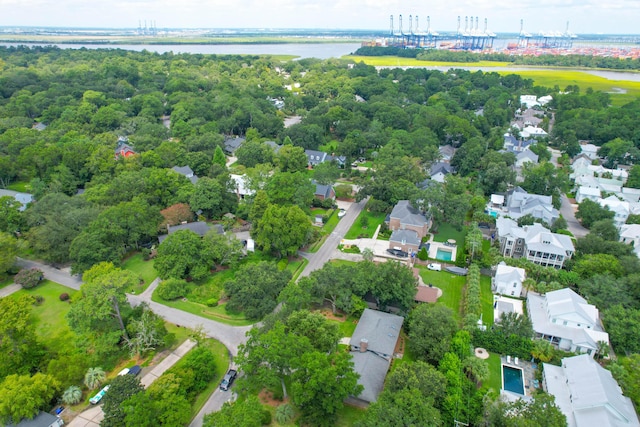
<point>528,371</point>
<point>434,246</point>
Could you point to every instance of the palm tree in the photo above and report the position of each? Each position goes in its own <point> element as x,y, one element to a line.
<point>367,254</point>
<point>477,370</point>
<point>94,377</point>
<point>542,350</point>
<point>603,350</point>
<point>284,413</point>
<point>72,395</point>
<point>528,284</point>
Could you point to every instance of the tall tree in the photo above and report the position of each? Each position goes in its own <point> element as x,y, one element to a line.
<point>20,351</point>
<point>23,396</point>
<point>431,327</point>
<point>121,388</point>
<point>292,159</point>
<point>282,230</point>
<point>183,254</point>
<point>102,299</point>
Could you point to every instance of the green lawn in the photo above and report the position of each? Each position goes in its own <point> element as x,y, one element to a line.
<point>486,299</point>
<point>296,267</point>
<point>326,229</point>
<point>349,415</point>
<point>50,315</point>
<point>347,326</point>
<point>142,268</point>
<point>21,186</point>
<point>450,284</point>
<point>356,230</point>
<point>495,372</point>
<point>446,232</point>
<point>217,313</point>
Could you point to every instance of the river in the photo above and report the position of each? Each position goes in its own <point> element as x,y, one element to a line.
<point>302,50</point>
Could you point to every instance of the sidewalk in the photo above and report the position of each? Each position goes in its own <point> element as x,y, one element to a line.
<point>94,415</point>
<point>9,289</point>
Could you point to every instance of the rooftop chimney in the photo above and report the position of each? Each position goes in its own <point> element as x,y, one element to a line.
<point>364,344</point>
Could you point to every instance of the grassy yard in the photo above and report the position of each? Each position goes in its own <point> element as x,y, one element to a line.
<point>326,229</point>
<point>142,268</point>
<point>296,267</point>
<point>446,232</point>
<point>495,372</point>
<point>357,230</point>
<point>50,315</point>
<point>6,282</point>
<point>486,300</point>
<point>20,186</point>
<point>450,284</point>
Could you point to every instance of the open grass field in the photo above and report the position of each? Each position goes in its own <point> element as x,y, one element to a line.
<point>450,284</point>
<point>495,372</point>
<point>357,230</point>
<point>565,77</point>
<point>390,61</point>
<point>142,268</point>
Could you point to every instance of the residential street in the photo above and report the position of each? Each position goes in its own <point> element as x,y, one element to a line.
<point>324,254</point>
<point>572,223</point>
<point>62,276</point>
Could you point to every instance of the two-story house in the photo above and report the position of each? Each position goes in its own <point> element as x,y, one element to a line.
<point>409,226</point>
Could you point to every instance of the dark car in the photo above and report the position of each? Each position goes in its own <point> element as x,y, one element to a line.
<point>134,370</point>
<point>398,252</point>
<point>228,379</point>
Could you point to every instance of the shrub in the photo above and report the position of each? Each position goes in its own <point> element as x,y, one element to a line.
<point>282,264</point>
<point>28,278</point>
<point>171,289</point>
<point>212,302</point>
<point>364,220</point>
<point>146,254</point>
<point>38,300</point>
<point>64,296</point>
<point>266,417</point>
<point>344,191</point>
<point>284,413</point>
<point>423,255</point>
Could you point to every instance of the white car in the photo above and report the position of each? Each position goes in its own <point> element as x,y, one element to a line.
<point>341,213</point>
<point>434,266</point>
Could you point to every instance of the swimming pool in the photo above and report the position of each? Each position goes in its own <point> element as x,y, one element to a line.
<point>512,379</point>
<point>443,255</point>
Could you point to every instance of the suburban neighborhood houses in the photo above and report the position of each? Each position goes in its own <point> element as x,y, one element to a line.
<point>314,242</point>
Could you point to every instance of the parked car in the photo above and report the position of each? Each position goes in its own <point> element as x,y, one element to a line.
<point>98,397</point>
<point>398,252</point>
<point>125,371</point>
<point>134,370</point>
<point>434,266</point>
<point>341,213</point>
<point>228,379</point>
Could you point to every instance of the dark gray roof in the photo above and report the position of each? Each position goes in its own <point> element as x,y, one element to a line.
<point>443,167</point>
<point>198,227</point>
<point>315,157</point>
<point>274,145</point>
<point>409,237</point>
<point>381,330</point>
<point>43,419</point>
<point>322,190</point>
<point>407,214</point>
<point>231,144</point>
<point>186,171</point>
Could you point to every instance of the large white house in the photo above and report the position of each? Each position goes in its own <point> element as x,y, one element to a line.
<point>565,319</point>
<point>508,280</point>
<point>587,394</point>
<point>533,242</point>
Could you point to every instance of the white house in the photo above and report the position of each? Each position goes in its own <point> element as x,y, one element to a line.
<point>589,150</point>
<point>566,320</point>
<point>630,234</point>
<point>587,394</point>
<point>590,193</point>
<point>620,209</point>
<point>241,186</point>
<point>508,280</point>
<point>529,100</point>
<point>533,132</point>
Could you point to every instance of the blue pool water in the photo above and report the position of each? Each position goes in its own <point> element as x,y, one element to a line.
<point>443,255</point>
<point>513,380</point>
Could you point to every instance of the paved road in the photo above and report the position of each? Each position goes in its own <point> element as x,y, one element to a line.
<point>62,276</point>
<point>572,223</point>
<point>324,254</point>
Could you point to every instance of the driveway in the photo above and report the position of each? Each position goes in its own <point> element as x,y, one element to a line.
<point>320,258</point>
<point>568,213</point>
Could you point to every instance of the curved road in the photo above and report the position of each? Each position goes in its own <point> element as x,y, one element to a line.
<point>230,336</point>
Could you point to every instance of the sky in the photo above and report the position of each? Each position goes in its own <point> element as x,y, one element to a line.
<point>585,16</point>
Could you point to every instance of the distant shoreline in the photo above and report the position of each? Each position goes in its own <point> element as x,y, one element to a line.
<point>134,40</point>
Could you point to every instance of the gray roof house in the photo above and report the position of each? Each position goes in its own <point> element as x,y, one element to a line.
<point>520,203</point>
<point>405,239</point>
<point>372,346</point>
<point>315,157</point>
<point>447,152</point>
<point>533,242</point>
<point>198,227</point>
<point>587,394</point>
<point>43,419</point>
<point>23,198</point>
<point>231,144</point>
<point>187,172</point>
<point>323,192</point>
<point>566,319</point>
<point>439,170</point>
<point>404,216</point>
